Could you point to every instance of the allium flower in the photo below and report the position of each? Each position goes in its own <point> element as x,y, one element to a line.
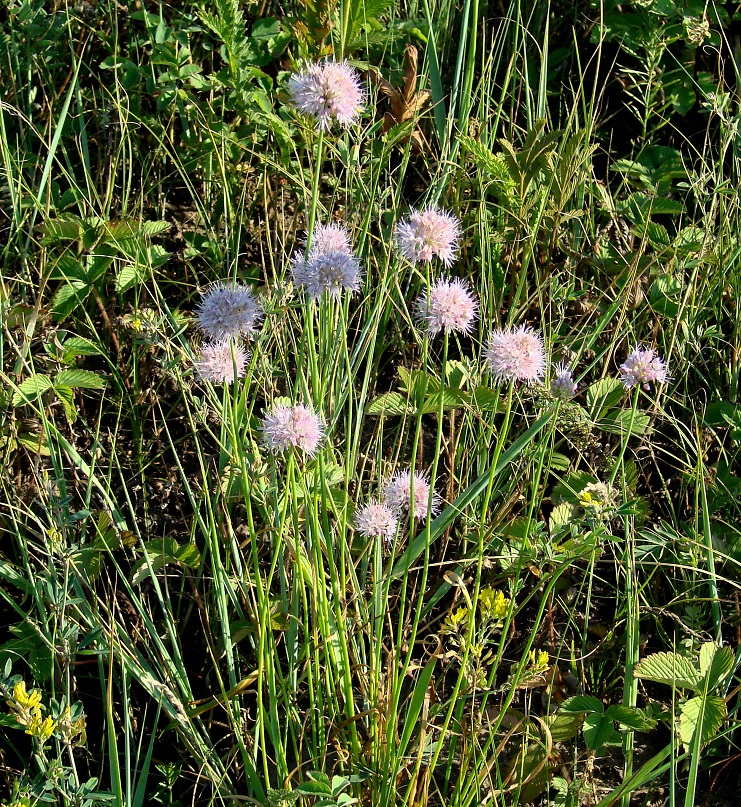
<point>516,354</point>
<point>376,518</point>
<point>563,386</point>
<point>297,425</point>
<point>326,90</point>
<point>426,233</point>
<point>332,271</point>
<point>642,367</point>
<point>397,494</point>
<point>330,237</point>
<point>221,361</point>
<point>228,310</point>
<point>450,306</point>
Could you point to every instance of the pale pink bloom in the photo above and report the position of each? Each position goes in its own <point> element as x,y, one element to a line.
<point>450,306</point>
<point>516,354</point>
<point>332,271</point>
<point>221,361</point>
<point>397,494</point>
<point>642,366</point>
<point>376,518</point>
<point>563,386</point>
<point>327,90</point>
<point>228,310</point>
<point>298,426</point>
<point>427,233</point>
<point>330,237</point>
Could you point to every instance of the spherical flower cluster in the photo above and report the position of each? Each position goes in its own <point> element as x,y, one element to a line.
<point>327,90</point>
<point>298,426</point>
<point>397,494</point>
<point>427,233</point>
<point>642,366</point>
<point>376,519</point>
<point>330,236</point>
<point>331,270</point>
<point>516,354</point>
<point>563,386</point>
<point>222,361</point>
<point>228,311</point>
<point>450,306</point>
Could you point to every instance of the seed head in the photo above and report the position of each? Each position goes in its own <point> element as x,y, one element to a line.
<point>426,233</point>
<point>563,386</point>
<point>642,366</point>
<point>516,354</point>
<point>228,311</point>
<point>298,426</point>
<point>397,494</point>
<point>450,306</point>
<point>327,90</point>
<point>376,518</point>
<point>221,361</point>
<point>332,271</point>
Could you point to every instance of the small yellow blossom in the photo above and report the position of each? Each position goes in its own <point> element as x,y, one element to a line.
<point>538,660</point>
<point>494,605</point>
<point>28,700</point>
<point>455,620</point>
<point>39,727</point>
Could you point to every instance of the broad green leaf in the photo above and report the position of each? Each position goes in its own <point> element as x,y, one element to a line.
<point>68,296</point>
<point>563,726</point>
<point>623,421</point>
<point>582,704</point>
<point>390,403</point>
<point>189,555</point>
<point>603,396</point>
<point>130,275</point>
<point>598,730</point>
<point>79,379</point>
<point>66,396</point>
<point>669,668</point>
<point>709,712</point>
<point>715,663</point>
<point>633,718</point>
<point>79,346</point>
<point>31,389</point>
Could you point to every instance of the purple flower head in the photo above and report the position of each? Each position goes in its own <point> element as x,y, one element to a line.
<point>563,386</point>
<point>516,354</point>
<point>298,426</point>
<point>327,90</point>
<point>397,494</point>
<point>330,237</point>
<point>221,361</point>
<point>332,271</point>
<point>642,366</point>
<point>228,310</point>
<point>376,518</point>
<point>450,306</point>
<point>426,233</point>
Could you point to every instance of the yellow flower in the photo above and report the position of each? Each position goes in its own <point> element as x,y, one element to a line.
<point>39,727</point>
<point>494,605</point>
<point>538,660</point>
<point>28,700</point>
<point>455,620</point>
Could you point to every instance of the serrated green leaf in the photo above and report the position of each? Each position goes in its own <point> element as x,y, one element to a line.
<point>152,228</point>
<point>670,669</point>
<point>31,388</point>
<point>189,555</point>
<point>129,276</point>
<point>715,663</point>
<point>79,379</point>
<point>604,395</point>
<point>598,730</point>
<point>79,346</point>
<point>68,296</point>
<point>67,398</point>
<point>633,718</point>
<point>563,727</point>
<point>705,713</point>
<point>390,403</point>
<point>582,704</point>
<point>625,422</point>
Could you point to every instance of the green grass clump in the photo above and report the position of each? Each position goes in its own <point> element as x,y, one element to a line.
<point>197,608</point>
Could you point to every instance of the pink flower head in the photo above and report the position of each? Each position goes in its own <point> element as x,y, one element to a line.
<point>326,90</point>
<point>376,518</point>
<point>286,426</point>
<point>332,271</point>
<point>642,366</point>
<point>397,494</point>
<point>228,310</point>
<point>516,354</point>
<point>221,361</point>
<point>426,233</point>
<point>330,237</point>
<point>450,306</point>
<point>563,386</point>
